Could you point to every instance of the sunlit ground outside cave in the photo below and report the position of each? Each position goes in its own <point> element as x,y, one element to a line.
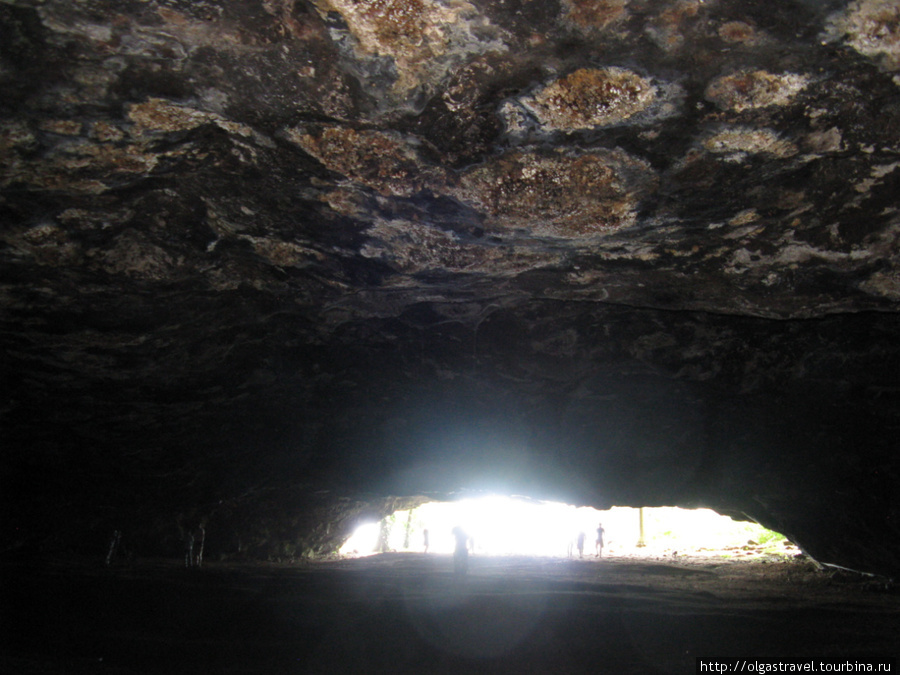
<point>506,526</point>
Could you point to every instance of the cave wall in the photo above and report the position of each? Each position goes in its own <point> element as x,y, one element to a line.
<point>780,421</point>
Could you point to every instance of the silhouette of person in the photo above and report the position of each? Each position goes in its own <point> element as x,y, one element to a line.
<point>580,544</point>
<point>114,547</point>
<point>189,549</point>
<point>599,542</point>
<point>201,540</point>
<point>461,552</point>
<point>425,538</point>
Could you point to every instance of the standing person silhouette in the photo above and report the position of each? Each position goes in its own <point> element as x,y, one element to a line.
<point>189,549</point>
<point>425,538</point>
<point>580,544</point>
<point>599,542</point>
<point>461,552</point>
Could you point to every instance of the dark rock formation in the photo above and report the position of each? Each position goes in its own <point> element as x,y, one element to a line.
<point>270,264</point>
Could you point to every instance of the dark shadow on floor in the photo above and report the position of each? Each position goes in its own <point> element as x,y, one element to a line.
<point>406,613</point>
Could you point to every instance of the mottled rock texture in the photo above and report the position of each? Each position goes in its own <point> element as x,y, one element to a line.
<point>272,264</point>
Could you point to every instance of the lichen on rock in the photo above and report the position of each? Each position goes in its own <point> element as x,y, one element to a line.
<point>587,15</point>
<point>383,161</point>
<point>669,30</point>
<point>739,32</point>
<point>872,28</point>
<point>749,90</point>
<point>80,166</point>
<point>558,194</point>
<point>159,115</point>
<point>735,142</point>
<point>423,40</point>
<point>590,97</point>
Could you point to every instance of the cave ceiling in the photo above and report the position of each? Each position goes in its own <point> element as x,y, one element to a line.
<point>609,251</point>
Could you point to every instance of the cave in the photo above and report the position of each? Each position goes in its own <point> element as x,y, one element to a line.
<point>270,269</point>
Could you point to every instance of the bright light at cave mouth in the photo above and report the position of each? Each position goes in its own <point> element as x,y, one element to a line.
<point>516,526</point>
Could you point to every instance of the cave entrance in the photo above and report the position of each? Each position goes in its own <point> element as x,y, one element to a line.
<point>518,526</point>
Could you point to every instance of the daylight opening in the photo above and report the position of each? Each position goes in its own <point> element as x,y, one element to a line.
<point>517,526</point>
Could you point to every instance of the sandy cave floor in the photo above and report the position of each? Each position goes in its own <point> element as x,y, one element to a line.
<point>407,613</point>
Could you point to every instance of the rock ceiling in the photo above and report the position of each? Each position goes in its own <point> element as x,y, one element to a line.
<point>612,251</point>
